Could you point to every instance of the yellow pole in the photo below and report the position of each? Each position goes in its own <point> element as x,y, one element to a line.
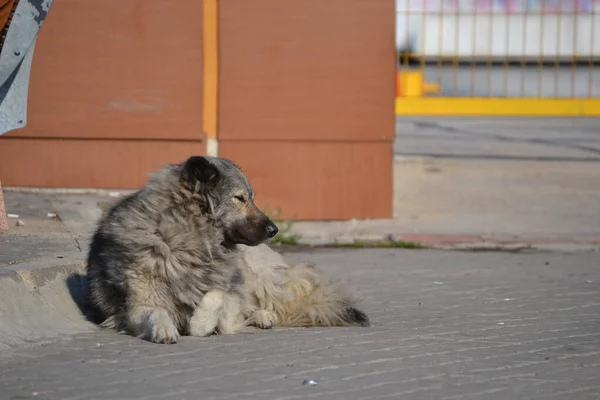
<point>211,74</point>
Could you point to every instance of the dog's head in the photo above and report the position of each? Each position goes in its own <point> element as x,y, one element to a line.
<point>229,197</point>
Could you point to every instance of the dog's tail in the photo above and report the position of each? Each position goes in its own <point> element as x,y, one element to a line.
<point>356,317</point>
<point>307,298</point>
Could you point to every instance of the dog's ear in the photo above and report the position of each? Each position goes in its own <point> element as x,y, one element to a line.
<point>199,171</point>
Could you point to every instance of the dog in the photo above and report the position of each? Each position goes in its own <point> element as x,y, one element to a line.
<point>186,255</point>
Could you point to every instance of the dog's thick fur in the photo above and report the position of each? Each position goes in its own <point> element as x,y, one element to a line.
<point>294,295</point>
<point>185,255</point>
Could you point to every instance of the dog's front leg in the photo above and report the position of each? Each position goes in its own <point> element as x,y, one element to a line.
<point>264,319</point>
<point>153,324</point>
<point>207,314</point>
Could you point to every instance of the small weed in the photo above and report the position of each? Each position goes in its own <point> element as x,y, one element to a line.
<point>285,240</point>
<point>400,244</point>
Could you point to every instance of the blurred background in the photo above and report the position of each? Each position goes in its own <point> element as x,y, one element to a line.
<point>451,111</point>
<point>502,48</point>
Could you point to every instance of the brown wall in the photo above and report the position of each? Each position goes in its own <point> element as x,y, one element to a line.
<point>318,180</point>
<point>306,103</point>
<point>305,99</point>
<point>116,72</point>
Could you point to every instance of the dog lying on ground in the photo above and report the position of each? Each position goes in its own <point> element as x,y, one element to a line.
<point>185,255</point>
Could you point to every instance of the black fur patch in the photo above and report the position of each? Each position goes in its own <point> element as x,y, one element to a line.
<point>109,280</point>
<point>199,169</point>
<point>356,317</point>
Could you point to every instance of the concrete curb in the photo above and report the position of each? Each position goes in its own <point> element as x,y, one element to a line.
<point>501,242</point>
<point>41,300</point>
<point>458,242</point>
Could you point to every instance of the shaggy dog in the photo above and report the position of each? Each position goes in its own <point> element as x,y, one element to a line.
<point>185,255</point>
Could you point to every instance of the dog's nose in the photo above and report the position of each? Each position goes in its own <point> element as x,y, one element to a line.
<point>272,230</point>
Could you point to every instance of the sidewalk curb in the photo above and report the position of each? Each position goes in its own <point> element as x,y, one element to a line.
<point>40,300</point>
<point>456,242</point>
<point>501,242</point>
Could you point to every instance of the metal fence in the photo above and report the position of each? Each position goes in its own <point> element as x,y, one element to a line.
<point>502,48</point>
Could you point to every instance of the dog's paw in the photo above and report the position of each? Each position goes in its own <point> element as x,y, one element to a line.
<point>166,334</point>
<point>161,330</point>
<point>203,323</point>
<point>264,319</point>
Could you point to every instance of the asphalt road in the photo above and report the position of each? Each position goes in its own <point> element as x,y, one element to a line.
<point>507,139</point>
<point>516,81</point>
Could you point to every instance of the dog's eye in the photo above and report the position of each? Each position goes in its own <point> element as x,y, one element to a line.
<point>240,198</point>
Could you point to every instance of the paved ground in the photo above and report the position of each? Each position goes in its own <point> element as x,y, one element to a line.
<point>48,237</point>
<point>447,325</point>
<point>532,177</point>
